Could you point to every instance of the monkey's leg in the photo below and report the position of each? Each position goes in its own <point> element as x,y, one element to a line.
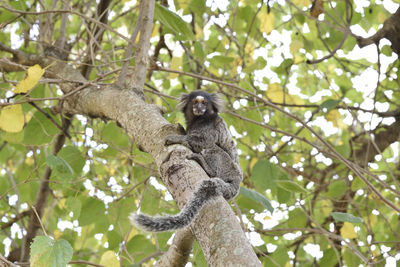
<point>201,161</point>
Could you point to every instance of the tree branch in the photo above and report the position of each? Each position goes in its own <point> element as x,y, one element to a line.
<point>179,251</point>
<point>390,30</point>
<point>129,49</point>
<point>142,53</point>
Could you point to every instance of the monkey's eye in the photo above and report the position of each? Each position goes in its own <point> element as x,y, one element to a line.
<point>200,100</point>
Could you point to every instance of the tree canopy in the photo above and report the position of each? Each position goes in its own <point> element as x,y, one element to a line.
<point>88,93</point>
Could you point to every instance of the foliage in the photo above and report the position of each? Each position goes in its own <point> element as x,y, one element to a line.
<point>317,140</point>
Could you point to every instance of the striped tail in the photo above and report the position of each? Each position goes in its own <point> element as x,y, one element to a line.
<point>207,190</point>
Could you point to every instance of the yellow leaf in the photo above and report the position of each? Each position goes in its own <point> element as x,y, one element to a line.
<point>267,22</point>
<point>301,2</point>
<point>133,232</point>
<point>253,161</point>
<point>295,46</point>
<point>61,203</point>
<point>326,206</point>
<point>29,161</point>
<point>294,49</point>
<point>57,234</point>
<point>334,117</point>
<point>381,17</point>
<point>154,31</point>
<point>137,37</point>
<point>347,231</point>
<point>249,49</point>
<point>12,119</point>
<point>276,94</point>
<point>109,259</point>
<point>34,74</point>
<point>373,219</point>
<point>199,32</point>
<point>175,64</point>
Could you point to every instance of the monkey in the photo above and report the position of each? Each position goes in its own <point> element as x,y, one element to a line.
<point>208,137</point>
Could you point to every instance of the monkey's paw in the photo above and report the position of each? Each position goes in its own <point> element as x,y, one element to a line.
<point>170,140</point>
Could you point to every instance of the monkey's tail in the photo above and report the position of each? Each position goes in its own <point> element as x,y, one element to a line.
<point>207,190</point>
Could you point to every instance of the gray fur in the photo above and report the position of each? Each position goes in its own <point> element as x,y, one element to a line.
<point>208,137</point>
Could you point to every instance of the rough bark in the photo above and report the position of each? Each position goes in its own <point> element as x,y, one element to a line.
<point>179,251</point>
<point>384,136</point>
<point>390,30</point>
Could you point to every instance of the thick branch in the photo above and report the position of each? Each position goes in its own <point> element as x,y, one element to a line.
<point>15,219</point>
<point>142,54</point>
<point>390,30</point>
<point>179,251</point>
<point>383,138</point>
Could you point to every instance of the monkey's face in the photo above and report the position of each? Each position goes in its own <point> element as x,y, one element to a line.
<point>199,105</point>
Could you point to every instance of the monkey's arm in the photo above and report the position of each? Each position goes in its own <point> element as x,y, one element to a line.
<point>178,139</point>
<point>194,141</point>
<point>225,141</point>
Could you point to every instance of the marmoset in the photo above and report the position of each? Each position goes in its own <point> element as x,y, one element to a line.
<point>207,135</point>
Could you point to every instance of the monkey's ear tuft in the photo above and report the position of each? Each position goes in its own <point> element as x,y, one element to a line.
<point>183,102</point>
<point>217,102</point>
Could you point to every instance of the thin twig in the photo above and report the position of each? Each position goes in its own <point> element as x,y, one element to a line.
<point>85,262</point>
<point>50,118</point>
<point>70,12</point>
<point>2,259</point>
<point>40,221</point>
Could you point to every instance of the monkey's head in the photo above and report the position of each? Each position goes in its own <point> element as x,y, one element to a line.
<point>199,104</point>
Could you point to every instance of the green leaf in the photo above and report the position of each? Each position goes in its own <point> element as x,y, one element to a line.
<point>46,252</point>
<point>283,195</point>
<point>330,104</point>
<point>73,204</point>
<point>290,186</point>
<point>336,189</point>
<point>329,259</point>
<point>6,15</point>
<point>173,22</point>
<point>346,217</point>
<point>221,61</point>
<point>198,50</point>
<point>386,50</point>
<point>279,258</point>
<point>93,212</point>
<point>198,255</point>
<point>60,166</point>
<point>40,130</point>
<point>297,219</point>
<point>264,175</point>
<point>73,157</point>
<point>350,258</point>
<point>257,197</point>
<point>139,246</point>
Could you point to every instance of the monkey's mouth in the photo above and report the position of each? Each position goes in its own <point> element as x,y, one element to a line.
<point>198,111</point>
